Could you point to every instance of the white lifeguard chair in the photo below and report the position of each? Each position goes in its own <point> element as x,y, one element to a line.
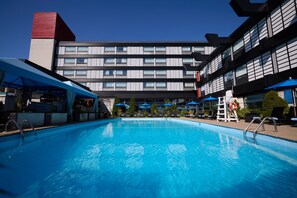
<point>225,113</point>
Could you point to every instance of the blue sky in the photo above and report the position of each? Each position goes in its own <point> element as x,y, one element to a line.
<point>118,20</point>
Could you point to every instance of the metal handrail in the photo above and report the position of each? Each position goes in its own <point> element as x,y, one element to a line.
<point>253,120</point>
<point>23,121</point>
<point>16,124</point>
<point>255,132</point>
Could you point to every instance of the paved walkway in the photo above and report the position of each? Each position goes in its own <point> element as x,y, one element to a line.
<point>284,131</point>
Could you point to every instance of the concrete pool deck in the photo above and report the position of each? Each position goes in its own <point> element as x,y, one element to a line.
<point>286,132</point>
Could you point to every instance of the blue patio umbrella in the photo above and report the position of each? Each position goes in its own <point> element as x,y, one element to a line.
<point>287,84</point>
<point>167,105</point>
<point>210,98</point>
<point>192,103</point>
<point>120,105</point>
<point>145,105</point>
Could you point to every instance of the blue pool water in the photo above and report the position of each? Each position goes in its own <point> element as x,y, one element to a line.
<point>151,158</point>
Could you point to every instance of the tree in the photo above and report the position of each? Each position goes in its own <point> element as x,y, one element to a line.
<point>271,99</point>
<point>115,108</point>
<point>132,107</point>
<point>154,109</point>
<point>174,108</point>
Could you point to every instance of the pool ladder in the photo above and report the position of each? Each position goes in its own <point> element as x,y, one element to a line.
<point>19,127</point>
<point>255,132</point>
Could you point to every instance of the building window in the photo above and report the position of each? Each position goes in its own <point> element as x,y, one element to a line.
<point>69,61</point>
<point>189,73</point>
<point>82,61</point>
<point>109,49</point>
<point>70,49</point>
<point>108,84</point>
<point>188,61</point>
<point>228,79</point>
<point>121,49</point>
<point>199,49</point>
<point>161,72</point>
<point>68,73</point>
<point>161,84</point>
<point>227,53</point>
<point>109,60</point>
<point>82,49</point>
<point>121,85</point>
<point>197,63</point>
<point>160,49</point>
<point>189,85</point>
<point>108,72</point>
<point>81,73</point>
<point>148,49</point>
<point>240,71</point>
<point>228,76</point>
<point>148,72</point>
<point>160,60</point>
<point>121,72</point>
<point>149,85</point>
<point>186,49</point>
<point>148,61</point>
<point>238,45</point>
<point>121,60</point>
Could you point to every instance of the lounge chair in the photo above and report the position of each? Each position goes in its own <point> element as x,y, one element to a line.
<point>212,115</point>
<point>277,114</point>
<point>200,115</point>
<point>291,116</point>
<point>294,121</point>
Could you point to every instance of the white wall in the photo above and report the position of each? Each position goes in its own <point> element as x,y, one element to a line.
<point>42,52</point>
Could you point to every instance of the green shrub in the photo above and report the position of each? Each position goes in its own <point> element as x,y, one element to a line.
<point>132,107</point>
<point>173,109</point>
<point>154,109</point>
<point>271,99</point>
<point>183,112</point>
<point>241,112</point>
<point>145,114</point>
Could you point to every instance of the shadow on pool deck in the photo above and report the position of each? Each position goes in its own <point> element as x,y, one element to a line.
<point>286,132</point>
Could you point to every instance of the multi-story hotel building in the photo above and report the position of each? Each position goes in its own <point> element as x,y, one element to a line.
<point>146,71</point>
<point>261,52</point>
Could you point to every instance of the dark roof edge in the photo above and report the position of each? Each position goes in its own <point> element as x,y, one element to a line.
<point>135,43</point>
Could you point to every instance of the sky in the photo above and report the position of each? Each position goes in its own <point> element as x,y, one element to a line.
<point>117,20</point>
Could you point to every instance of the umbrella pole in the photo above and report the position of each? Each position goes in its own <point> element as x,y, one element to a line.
<point>294,101</point>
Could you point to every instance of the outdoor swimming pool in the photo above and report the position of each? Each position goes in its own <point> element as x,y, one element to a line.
<point>146,158</point>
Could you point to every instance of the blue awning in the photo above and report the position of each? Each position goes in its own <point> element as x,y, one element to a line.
<point>80,92</point>
<point>20,75</point>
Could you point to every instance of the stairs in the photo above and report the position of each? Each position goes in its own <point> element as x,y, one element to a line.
<point>224,113</point>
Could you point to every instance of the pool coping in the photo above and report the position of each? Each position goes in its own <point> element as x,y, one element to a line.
<point>205,121</point>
